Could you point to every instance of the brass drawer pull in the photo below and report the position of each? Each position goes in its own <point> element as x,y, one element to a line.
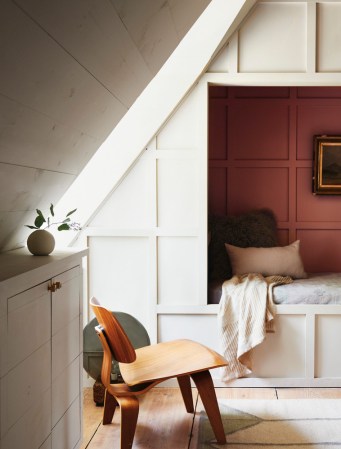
<point>54,286</point>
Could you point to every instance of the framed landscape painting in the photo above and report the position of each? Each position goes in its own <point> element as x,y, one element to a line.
<point>327,165</point>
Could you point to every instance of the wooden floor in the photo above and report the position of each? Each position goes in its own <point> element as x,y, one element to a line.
<point>163,421</point>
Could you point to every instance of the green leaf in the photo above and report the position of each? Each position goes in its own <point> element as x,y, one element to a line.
<point>63,227</point>
<point>31,227</point>
<point>51,210</point>
<point>66,220</point>
<point>39,221</point>
<point>39,212</point>
<point>71,212</point>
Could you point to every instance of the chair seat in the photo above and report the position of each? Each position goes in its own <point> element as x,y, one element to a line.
<point>170,359</point>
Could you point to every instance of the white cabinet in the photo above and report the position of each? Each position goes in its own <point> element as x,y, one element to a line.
<point>41,350</point>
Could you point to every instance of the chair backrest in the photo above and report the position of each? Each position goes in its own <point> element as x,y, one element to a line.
<point>118,341</point>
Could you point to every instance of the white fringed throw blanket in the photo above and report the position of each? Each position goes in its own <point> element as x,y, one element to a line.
<point>245,315</point>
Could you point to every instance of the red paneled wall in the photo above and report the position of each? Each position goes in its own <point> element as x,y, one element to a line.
<point>261,155</point>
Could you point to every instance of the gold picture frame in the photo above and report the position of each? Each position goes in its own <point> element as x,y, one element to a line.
<point>327,165</point>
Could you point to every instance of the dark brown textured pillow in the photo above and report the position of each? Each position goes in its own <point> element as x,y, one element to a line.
<point>257,229</point>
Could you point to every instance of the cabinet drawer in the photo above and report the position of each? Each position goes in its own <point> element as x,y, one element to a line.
<point>47,444</point>
<point>28,324</point>
<point>33,428</point>
<point>65,389</point>
<point>67,432</point>
<point>22,387</point>
<point>65,347</point>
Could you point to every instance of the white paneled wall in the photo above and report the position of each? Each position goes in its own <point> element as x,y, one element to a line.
<point>155,221</point>
<point>144,241</point>
<point>133,203</point>
<point>177,184</point>
<point>279,33</point>
<point>120,273</point>
<point>329,37</point>
<point>182,129</point>
<point>204,327</point>
<point>178,270</point>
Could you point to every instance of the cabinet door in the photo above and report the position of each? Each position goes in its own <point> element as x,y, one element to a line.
<point>66,359</point>
<point>66,304</point>
<point>27,367</point>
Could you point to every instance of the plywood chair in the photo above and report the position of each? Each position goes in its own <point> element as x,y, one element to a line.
<point>143,368</point>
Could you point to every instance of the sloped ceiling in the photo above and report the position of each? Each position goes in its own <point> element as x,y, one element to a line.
<point>69,72</point>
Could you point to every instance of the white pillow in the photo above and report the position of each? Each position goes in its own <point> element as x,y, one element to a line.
<point>278,260</point>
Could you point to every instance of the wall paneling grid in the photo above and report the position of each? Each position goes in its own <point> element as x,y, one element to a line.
<point>261,155</point>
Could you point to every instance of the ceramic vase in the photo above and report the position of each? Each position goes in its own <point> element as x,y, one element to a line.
<point>40,242</point>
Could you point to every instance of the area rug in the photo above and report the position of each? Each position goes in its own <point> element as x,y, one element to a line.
<point>290,423</point>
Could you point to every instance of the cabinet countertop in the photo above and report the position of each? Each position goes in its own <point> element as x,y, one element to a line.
<point>20,261</point>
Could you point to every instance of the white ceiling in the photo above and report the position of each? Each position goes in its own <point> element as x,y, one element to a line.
<point>70,69</point>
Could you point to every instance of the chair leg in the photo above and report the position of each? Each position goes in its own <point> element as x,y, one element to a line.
<point>110,404</point>
<point>186,391</point>
<point>129,412</point>
<point>204,383</point>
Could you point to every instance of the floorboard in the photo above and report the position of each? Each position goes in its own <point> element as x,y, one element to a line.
<point>163,423</point>
<point>309,393</point>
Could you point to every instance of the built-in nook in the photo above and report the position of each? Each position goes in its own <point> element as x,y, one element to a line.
<point>261,155</point>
